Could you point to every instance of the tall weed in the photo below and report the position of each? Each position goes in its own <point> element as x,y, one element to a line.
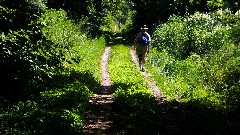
<point>66,69</point>
<point>193,57</point>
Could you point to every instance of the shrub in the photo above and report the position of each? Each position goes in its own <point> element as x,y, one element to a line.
<point>193,58</point>
<point>51,67</point>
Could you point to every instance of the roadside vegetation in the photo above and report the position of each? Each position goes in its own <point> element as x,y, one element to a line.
<point>196,58</point>
<point>51,51</point>
<point>195,61</point>
<point>50,71</point>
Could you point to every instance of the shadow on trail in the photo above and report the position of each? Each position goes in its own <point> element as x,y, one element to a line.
<point>141,114</point>
<point>60,81</point>
<point>194,118</point>
<point>98,114</point>
<point>135,114</point>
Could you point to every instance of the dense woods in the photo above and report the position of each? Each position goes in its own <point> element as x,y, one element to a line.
<point>50,51</point>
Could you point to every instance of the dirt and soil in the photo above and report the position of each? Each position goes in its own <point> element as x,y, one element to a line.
<point>170,118</point>
<point>155,90</point>
<point>99,112</point>
<point>99,120</point>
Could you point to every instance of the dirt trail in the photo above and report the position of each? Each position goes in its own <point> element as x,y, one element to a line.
<point>99,119</point>
<point>154,87</point>
<point>172,117</point>
<point>99,113</point>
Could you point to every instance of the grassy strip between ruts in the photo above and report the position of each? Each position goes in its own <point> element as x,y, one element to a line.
<point>134,103</point>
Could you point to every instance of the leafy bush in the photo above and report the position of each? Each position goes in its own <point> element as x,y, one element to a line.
<point>117,17</point>
<point>18,14</point>
<point>52,70</point>
<point>19,47</point>
<point>88,56</point>
<point>198,33</point>
<point>56,112</point>
<point>193,58</point>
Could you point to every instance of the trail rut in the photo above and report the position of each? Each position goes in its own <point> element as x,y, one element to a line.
<point>156,92</point>
<point>100,114</point>
<point>99,118</point>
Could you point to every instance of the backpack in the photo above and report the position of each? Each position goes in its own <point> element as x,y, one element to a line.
<point>143,39</point>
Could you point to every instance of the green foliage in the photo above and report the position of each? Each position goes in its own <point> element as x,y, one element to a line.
<point>136,109</point>
<point>99,16</point>
<point>198,33</point>
<point>150,12</point>
<point>192,6</point>
<point>20,14</point>
<point>19,47</point>
<point>61,31</point>
<point>58,111</point>
<point>51,66</point>
<point>117,16</point>
<point>235,33</point>
<point>87,57</point>
<point>193,58</point>
<point>28,56</point>
<point>215,4</point>
<point>88,11</point>
<point>75,8</point>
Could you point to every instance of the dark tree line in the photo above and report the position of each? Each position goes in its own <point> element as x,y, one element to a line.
<point>152,12</point>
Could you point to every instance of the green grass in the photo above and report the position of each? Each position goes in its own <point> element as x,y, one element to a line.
<point>133,100</point>
<point>87,57</point>
<point>181,80</point>
<point>122,70</point>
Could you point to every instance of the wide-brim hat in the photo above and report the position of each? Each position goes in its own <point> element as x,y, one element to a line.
<point>144,27</point>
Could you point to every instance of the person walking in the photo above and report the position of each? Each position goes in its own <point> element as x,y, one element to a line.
<point>142,45</point>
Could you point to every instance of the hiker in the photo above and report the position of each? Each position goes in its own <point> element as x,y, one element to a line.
<point>142,45</point>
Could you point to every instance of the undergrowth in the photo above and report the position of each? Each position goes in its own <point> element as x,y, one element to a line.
<point>195,58</point>
<point>65,69</point>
